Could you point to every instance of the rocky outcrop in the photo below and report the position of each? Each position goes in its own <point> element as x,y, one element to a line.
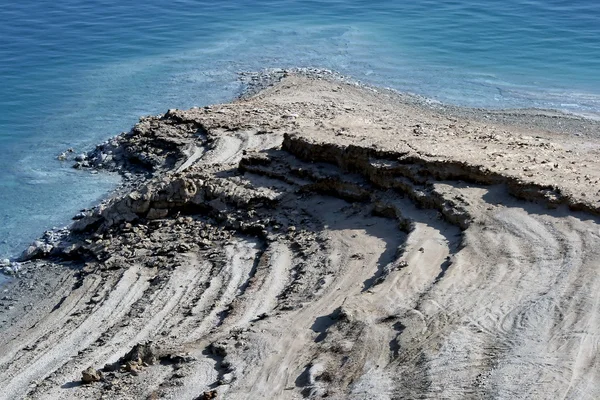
<point>394,170</point>
<point>154,144</point>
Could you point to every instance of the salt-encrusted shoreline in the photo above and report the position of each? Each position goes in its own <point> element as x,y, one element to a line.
<point>318,237</point>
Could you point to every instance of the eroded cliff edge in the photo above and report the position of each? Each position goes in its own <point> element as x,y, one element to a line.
<point>322,239</point>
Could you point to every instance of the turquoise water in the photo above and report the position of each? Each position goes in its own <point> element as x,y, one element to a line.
<point>74,73</point>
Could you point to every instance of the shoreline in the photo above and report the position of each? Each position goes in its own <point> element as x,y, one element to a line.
<point>278,229</point>
<point>552,120</point>
<point>521,116</point>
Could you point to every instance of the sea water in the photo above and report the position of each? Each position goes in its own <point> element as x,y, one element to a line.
<point>74,72</point>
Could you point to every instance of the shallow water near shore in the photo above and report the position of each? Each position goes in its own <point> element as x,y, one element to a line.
<point>76,73</point>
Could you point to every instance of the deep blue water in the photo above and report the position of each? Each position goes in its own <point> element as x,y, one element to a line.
<point>76,72</point>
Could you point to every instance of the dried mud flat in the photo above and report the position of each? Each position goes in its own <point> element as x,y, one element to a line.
<point>321,239</point>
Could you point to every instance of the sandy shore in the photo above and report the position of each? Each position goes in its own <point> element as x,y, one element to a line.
<point>322,239</point>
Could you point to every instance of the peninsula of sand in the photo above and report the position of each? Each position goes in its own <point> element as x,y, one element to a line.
<point>317,238</point>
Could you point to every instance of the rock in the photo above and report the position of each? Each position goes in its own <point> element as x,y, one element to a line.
<point>81,157</point>
<point>36,250</point>
<point>80,216</point>
<point>153,396</point>
<point>5,262</point>
<point>70,250</point>
<point>91,375</point>
<point>227,379</point>
<point>142,353</point>
<point>95,299</point>
<point>13,268</point>
<point>208,395</point>
<point>157,213</point>
<point>132,366</point>
<point>29,253</point>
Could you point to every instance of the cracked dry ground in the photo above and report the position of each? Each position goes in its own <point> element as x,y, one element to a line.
<point>261,260</point>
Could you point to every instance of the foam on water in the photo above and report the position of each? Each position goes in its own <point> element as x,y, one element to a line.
<point>75,73</point>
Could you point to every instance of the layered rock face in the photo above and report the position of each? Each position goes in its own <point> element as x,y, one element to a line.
<point>315,240</point>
